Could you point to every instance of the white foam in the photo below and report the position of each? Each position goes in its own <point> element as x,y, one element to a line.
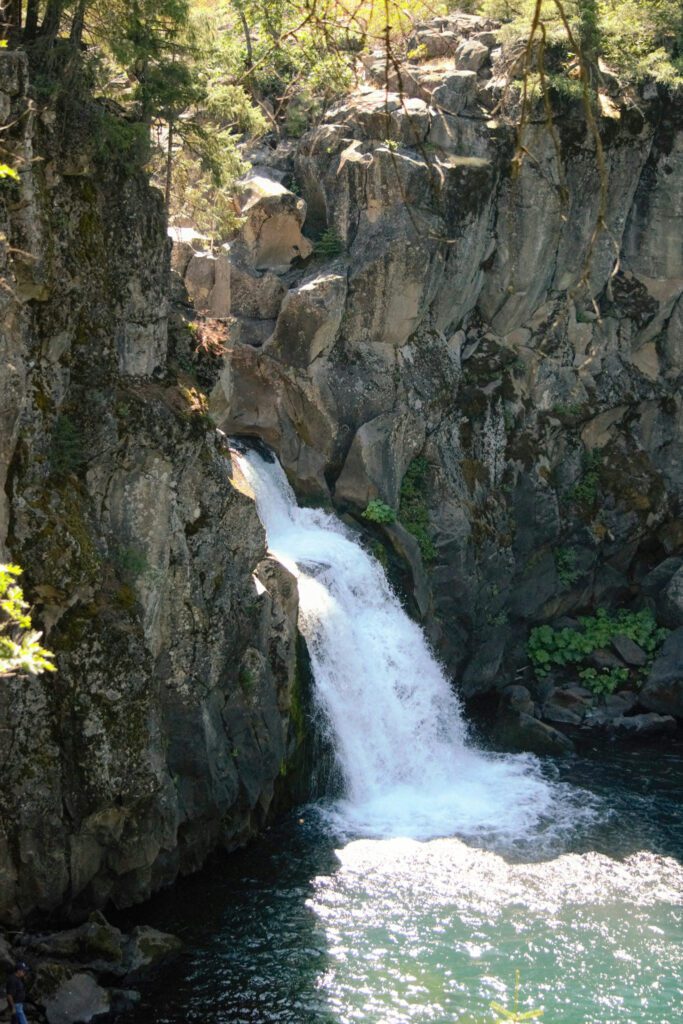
<point>396,724</point>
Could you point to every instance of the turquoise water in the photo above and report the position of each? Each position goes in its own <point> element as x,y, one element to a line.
<point>312,926</point>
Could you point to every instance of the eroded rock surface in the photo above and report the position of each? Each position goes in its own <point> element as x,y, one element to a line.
<point>169,725</point>
<point>450,325</point>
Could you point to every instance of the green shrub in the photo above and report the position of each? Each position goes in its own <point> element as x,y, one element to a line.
<point>565,563</point>
<point>585,492</point>
<point>412,510</point>
<point>329,244</point>
<point>560,648</point>
<point>67,453</point>
<point>378,512</point>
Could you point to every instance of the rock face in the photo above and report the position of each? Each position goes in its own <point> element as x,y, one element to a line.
<point>170,723</point>
<point>450,325</point>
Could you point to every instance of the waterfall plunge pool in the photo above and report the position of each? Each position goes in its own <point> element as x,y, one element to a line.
<point>443,868</point>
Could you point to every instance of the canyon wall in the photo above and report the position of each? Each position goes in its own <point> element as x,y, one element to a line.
<point>466,325</point>
<point>174,716</point>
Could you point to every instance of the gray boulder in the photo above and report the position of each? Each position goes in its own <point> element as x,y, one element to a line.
<point>629,651</point>
<point>643,726</point>
<point>471,55</point>
<point>148,945</point>
<point>663,689</point>
<point>523,732</point>
<point>78,1000</point>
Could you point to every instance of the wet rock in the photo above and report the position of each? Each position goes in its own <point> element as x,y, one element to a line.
<point>622,702</point>
<point>523,732</point>
<point>78,1000</point>
<point>147,946</point>
<point>643,726</point>
<point>663,689</point>
<point>629,651</point>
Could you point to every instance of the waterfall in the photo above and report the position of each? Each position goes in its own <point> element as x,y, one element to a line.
<point>395,723</point>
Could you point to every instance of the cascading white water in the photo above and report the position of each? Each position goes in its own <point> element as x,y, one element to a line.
<point>396,725</point>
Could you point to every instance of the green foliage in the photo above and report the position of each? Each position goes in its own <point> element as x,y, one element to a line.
<point>120,142</point>
<point>413,512</point>
<point>379,512</point>
<point>19,648</point>
<point>329,244</point>
<point>640,39</point>
<point>67,454</point>
<point>565,563</point>
<point>585,492</point>
<point>603,681</point>
<point>558,648</point>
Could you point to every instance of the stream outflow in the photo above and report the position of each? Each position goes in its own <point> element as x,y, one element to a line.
<point>442,868</point>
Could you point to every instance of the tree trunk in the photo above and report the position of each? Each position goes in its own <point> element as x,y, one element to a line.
<point>169,168</point>
<point>78,24</point>
<point>52,19</point>
<point>31,25</point>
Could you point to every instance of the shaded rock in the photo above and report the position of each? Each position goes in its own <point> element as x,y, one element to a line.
<point>254,295</point>
<point>602,658</point>
<point>77,1000</point>
<point>629,651</point>
<point>516,698</point>
<point>380,453</point>
<point>663,688</point>
<point>95,943</point>
<point>7,958</point>
<point>562,705</point>
<point>622,702</point>
<point>147,946</point>
<point>670,601</point>
<point>122,1000</point>
<point>643,726</point>
<point>659,577</point>
<point>309,319</point>
<point>207,280</point>
<point>47,980</point>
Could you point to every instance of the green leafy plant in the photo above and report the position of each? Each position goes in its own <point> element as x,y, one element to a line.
<point>413,512</point>
<point>379,512</point>
<point>585,492</point>
<point>561,648</point>
<point>565,563</point>
<point>603,681</point>
<point>20,650</point>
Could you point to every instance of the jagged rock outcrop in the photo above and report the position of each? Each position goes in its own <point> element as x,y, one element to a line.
<point>174,714</point>
<point>451,324</point>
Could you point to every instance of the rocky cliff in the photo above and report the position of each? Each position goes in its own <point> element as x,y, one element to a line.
<point>174,715</point>
<point>439,353</point>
